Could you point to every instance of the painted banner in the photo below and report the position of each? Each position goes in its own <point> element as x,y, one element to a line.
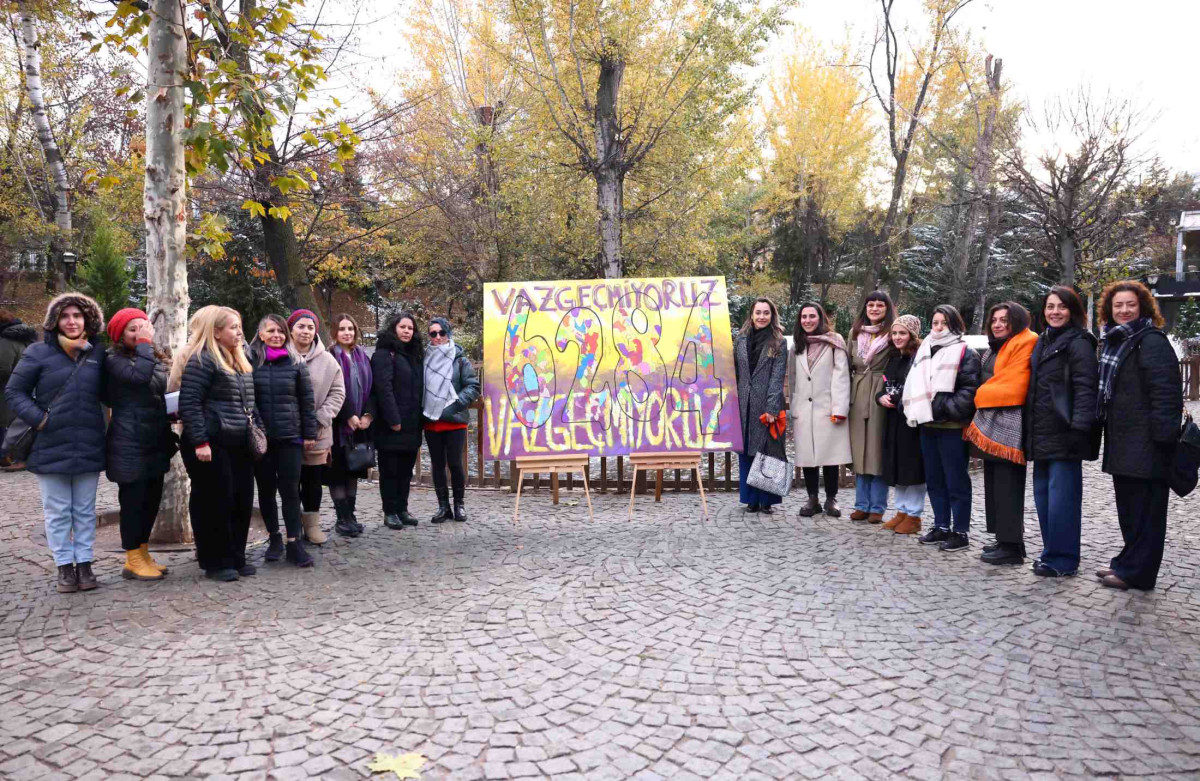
<point>608,367</point>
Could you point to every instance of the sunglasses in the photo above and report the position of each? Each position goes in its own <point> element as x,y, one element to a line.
<point>436,334</point>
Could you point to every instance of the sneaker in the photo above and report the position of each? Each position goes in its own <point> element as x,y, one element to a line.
<point>1046,571</point>
<point>935,536</point>
<point>274,548</point>
<point>221,575</point>
<point>957,541</point>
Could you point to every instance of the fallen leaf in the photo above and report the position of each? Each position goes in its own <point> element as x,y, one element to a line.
<point>571,503</point>
<point>404,766</point>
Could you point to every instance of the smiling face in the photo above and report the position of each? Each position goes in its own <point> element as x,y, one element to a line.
<point>346,333</point>
<point>876,311</point>
<point>761,316</point>
<point>1001,327</point>
<point>810,319</point>
<point>272,335</point>
<point>405,329</point>
<point>229,335</point>
<point>1126,307</point>
<point>304,333</point>
<point>900,336</point>
<point>939,324</point>
<point>1056,312</point>
<point>71,322</point>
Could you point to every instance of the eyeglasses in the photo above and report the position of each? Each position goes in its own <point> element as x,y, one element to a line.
<point>436,334</point>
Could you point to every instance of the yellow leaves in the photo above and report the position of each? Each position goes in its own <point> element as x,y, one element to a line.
<point>310,138</point>
<point>255,208</point>
<point>280,212</point>
<point>404,766</point>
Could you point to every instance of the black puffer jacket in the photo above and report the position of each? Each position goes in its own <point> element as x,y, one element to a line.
<point>399,391</point>
<point>72,442</point>
<point>284,396</point>
<point>213,404</point>
<point>140,440</point>
<point>1141,424</point>
<point>959,407</point>
<point>1060,418</point>
<point>466,385</point>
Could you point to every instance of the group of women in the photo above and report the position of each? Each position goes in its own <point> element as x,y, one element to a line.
<point>908,410</point>
<point>283,412</point>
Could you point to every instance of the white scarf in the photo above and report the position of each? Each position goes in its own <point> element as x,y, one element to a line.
<point>932,374</point>
<point>439,379</point>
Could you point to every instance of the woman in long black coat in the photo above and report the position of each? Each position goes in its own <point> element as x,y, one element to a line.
<point>140,440</point>
<point>1141,405</point>
<point>1060,428</point>
<point>399,389</point>
<point>903,463</point>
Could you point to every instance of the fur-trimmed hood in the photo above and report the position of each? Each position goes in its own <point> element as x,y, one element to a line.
<point>93,317</point>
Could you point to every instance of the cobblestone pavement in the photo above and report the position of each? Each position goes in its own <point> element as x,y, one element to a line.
<point>665,647</point>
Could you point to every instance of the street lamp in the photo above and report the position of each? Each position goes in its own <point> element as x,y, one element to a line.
<point>69,260</point>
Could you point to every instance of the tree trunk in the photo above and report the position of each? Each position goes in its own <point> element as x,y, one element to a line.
<point>1066,254</point>
<point>985,257</point>
<point>279,240</point>
<point>610,167</point>
<point>883,244</point>
<point>491,258</point>
<point>981,177</point>
<point>54,159</point>
<point>165,214</point>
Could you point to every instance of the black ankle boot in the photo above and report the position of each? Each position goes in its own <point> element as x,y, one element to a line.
<point>351,503</point>
<point>68,582</point>
<point>407,518</point>
<point>87,581</point>
<point>274,548</point>
<point>444,512</point>
<point>811,508</point>
<point>460,513</point>
<point>344,527</point>
<point>297,555</point>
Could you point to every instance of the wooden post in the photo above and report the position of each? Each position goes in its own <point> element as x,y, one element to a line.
<point>603,475</point>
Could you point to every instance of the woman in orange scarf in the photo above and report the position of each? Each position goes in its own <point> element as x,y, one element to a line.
<point>996,429</point>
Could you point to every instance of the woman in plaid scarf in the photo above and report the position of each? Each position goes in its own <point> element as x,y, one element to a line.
<point>1140,402</point>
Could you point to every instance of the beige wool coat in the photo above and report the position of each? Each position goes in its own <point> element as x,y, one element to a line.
<point>329,391</point>
<point>817,394</point>
<point>867,419</point>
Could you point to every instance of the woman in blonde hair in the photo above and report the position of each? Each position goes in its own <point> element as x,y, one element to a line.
<point>216,402</point>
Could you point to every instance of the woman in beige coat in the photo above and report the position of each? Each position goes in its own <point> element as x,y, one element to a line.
<point>329,391</point>
<point>869,356</point>
<point>820,402</point>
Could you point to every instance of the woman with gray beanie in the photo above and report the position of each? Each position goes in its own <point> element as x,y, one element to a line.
<point>451,387</point>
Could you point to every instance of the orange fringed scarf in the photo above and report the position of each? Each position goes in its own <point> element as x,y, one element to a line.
<point>1010,382</point>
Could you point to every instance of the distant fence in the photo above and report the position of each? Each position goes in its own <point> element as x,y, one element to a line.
<point>1189,370</point>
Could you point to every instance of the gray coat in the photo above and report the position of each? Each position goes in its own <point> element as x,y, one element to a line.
<point>758,394</point>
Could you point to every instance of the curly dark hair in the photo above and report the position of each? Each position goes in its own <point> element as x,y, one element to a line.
<point>1146,303</point>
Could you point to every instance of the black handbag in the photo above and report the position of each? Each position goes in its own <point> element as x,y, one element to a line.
<point>1185,466</point>
<point>360,456</point>
<point>19,438</point>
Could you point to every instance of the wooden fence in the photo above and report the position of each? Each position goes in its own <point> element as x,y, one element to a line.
<point>1189,370</point>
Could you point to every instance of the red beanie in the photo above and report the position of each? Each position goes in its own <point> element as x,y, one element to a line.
<point>117,323</point>
<point>302,313</point>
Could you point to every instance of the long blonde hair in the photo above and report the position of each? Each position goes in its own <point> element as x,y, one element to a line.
<point>202,337</point>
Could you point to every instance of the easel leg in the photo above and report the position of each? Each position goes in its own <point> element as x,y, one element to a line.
<point>703,499</point>
<point>517,508</point>
<point>632,491</point>
<point>587,492</point>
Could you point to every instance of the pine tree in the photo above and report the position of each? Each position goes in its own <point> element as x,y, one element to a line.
<point>104,276</point>
<point>1187,321</point>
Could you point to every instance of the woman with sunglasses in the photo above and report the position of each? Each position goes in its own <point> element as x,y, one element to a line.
<point>451,387</point>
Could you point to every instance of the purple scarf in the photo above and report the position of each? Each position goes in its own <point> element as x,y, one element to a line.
<point>356,372</point>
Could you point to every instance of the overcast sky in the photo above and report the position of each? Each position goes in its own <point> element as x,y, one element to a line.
<point>1143,50</point>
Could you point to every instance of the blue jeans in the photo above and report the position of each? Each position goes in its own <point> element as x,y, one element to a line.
<point>946,477</point>
<point>1058,496</point>
<point>69,504</point>
<point>748,493</point>
<point>870,493</point>
<point>910,499</point>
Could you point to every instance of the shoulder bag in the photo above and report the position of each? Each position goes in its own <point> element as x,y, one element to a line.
<point>19,438</point>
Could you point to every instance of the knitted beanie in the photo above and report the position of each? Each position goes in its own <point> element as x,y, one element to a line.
<point>300,313</point>
<point>912,323</point>
<point>117,323</point>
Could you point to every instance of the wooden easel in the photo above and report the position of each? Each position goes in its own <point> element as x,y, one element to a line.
<point>553,465</point>
<point>648,462</point>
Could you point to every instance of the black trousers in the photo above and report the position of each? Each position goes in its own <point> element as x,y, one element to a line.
<point>446,450</point>
<point>1142,513</point>
<point>221,501</point>
<point>312,480</point>
<point>279,471</point>
<point>813,473</point>
<point>395,479</point>
<point>140,501</point>
<point>1004,501</point>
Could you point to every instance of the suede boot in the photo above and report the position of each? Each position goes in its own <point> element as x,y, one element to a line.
<point>910,525</point>
<point>311,522</point>
<point>150,559</point>
<point>895,521</point>
<point>138,568</point>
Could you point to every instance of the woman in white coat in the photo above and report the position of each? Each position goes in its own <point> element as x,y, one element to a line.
<point>820,396</point>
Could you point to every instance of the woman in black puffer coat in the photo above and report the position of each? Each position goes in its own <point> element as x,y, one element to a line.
<point>63,374</point>
<point>216,400</point>
<point>140,440</point>
<point>284,396</point>
<point>399,391</point>
<point>1141,405</point>
<point>1060,430</point>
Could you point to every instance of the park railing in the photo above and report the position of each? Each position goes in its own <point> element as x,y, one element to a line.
<point>1189,371</point>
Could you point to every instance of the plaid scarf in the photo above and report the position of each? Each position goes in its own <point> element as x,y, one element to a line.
<point>439,379</point>
<point>1116,343</point>
<point>931,374</point>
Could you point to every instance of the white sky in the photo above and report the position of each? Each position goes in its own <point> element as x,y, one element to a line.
<point>1142,50</point>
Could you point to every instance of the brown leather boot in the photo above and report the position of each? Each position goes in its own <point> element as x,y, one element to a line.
<point>87,580</point>
<point>909,525</point>
<point>875,518</point>
<point>895,521</point>
<point>859,515</point>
